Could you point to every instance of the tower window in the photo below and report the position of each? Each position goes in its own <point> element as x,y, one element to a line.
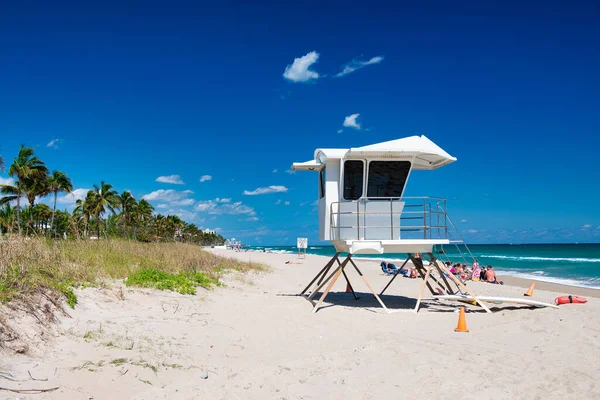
<point>387,178</point>
<point>353,179</point>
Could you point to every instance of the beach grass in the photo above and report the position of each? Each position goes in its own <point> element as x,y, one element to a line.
<point>184,282</point>
<point>28,265</point>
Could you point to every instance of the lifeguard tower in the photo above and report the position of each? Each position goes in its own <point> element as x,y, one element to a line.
<point>362,211</point>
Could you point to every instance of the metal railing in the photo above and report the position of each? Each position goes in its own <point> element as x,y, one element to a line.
<point>398,218</point>
<point>389,218</point>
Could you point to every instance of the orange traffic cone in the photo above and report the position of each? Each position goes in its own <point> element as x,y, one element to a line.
<point>530,291</point>
<point>348,289</point>
<point>462,322</point>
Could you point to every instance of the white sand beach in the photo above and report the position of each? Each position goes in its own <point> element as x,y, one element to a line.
<point>255,339</point>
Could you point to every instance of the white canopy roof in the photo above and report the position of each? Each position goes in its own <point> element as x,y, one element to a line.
<point>424,154</point>
<point>312,165</point>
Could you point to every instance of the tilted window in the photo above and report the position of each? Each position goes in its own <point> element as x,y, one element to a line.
<point>387,178</point>
<point>322,183</point>
<point>353,179</point>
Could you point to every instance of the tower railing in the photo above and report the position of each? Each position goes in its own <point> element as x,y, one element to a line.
<point>394,218</point>
<point>389,218</point>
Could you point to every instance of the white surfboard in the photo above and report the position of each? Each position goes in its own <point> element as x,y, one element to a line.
<point>495,299</point>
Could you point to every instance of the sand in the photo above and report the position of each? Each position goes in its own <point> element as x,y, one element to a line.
<point>255,339</point>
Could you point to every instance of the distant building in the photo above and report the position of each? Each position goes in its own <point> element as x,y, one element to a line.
<point>209,232</point>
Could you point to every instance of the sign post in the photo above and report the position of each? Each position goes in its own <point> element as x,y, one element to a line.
<point>302,245</point>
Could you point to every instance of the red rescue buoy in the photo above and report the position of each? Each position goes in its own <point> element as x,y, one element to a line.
<point>570,299</point>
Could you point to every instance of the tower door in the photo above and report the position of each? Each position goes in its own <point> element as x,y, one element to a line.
<point>350,217</point>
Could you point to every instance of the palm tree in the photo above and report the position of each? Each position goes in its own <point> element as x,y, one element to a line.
<point>58,182</point>
<point>128,206</point>
<point>174,226</point>
<point>7,218</point>
<point>102,197</point>
<point>25,166</point>
<point>158,223</point>
<point>1,163</point>
<point>82,213</point>
<point>144,211</point>
<point>35,187</point>
<point>41,214</point>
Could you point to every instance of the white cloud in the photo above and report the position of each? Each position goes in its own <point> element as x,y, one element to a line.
<point>290,171</point>
<point>252,219</point>
<point>358,64</point>
<point>274,171</point>
<point>163,206</point>
<point>173,179</point>
<point>71,198</point>
<point>340,130</point>
<point>472,231</point>
<point>278,202</point>
<point>224,200</point>
<point>219,208</point>
<point>53,144</point>
<point>7,181</point>
<point>168,196</point>
<point>260,231</point>
<point>205,178</point>
<point>299,71</point>
<point>586,226</point>
<point>203,206</point>
<point>266,190</point>
<point>183,202</point>
<point>350,121</point>
<point>287,203</point>
<point>185,215</point>
<point>464,221</point>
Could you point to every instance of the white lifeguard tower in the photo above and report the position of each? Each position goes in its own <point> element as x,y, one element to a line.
<point>362,211</point>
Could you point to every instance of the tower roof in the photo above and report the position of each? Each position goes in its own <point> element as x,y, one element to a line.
<point>424,154</point>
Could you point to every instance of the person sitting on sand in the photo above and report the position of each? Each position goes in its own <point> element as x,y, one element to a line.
<point>459,270</point>
<point>490,275</point>
<point>482,274</point>
<point>476,272</point>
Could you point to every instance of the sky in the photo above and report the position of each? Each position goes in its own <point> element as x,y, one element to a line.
<point>201,107</point>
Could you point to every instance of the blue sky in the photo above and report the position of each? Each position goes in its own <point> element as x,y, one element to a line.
<point>130,93</point>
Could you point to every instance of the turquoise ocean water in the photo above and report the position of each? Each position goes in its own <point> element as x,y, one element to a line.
<point>570,264</point>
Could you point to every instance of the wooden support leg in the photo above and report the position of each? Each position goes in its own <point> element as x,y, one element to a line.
<point>448,287</point>
<point>388,284</point>
<point>319,276</point>
<point>321,273</point>
<point>459,283</point>
<point>338,272</point>
<point>314,292</point>
<point>393,277</point>
<point>367,283</point>
<point>335,258</point>
<point>422,288</point>
<point>418,263</point>
<point>349,285</point>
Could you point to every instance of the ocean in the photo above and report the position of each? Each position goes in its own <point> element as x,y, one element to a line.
<point>568,264</point>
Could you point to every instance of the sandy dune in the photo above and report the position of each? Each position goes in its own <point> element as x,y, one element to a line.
<point>254,339</point>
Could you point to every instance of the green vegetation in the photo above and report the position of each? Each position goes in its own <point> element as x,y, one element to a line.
<point>46,248</point>
<point>182,282</point>
<point>66,288</point>
<point>61,265</point>
<point>103,213</point>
